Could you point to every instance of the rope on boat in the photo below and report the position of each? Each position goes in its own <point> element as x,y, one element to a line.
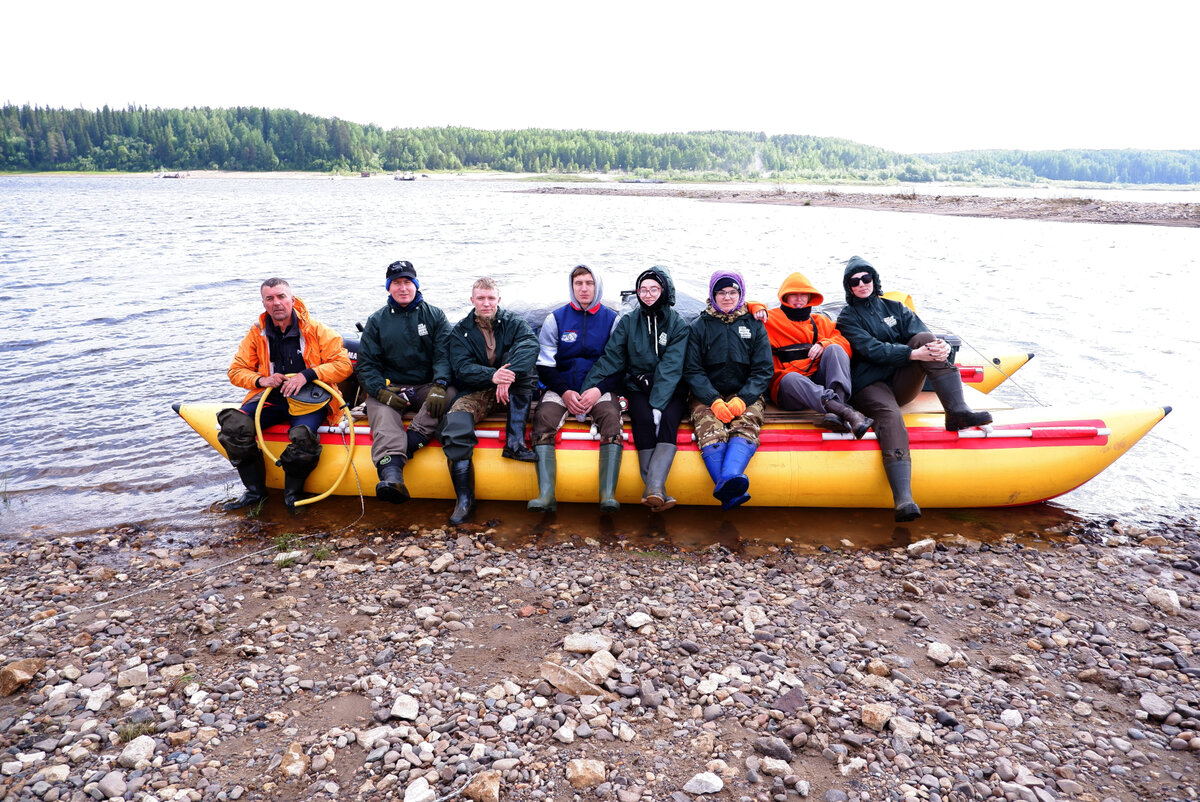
<point>1008,376</point>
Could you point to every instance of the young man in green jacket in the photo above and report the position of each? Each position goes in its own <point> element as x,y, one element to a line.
<point>493,352</point>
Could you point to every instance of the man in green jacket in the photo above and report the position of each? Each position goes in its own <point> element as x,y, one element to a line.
<point>403,364</point>
<point>493,352</point>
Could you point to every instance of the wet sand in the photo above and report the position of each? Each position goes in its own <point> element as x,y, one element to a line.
<point>1069,210</point>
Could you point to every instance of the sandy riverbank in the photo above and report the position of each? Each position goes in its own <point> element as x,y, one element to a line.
<point>393,665</point>
<point>1074,210</point>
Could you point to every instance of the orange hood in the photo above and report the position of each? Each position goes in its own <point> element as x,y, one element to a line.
<point>797,282</point>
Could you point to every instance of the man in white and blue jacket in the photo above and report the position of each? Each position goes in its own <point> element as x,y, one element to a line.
<point>572,338</point>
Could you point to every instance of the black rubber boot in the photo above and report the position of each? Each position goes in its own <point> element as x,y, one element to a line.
<point>514,442</point>
<point>898,468</point>
<point>948,387</point>
<point>610,471</point>
<point>298,460</point>
<point>253,473</point>
<point>853,420</point>
<point>547,473</point>
<point>462,477</point>
<point>391,480</point>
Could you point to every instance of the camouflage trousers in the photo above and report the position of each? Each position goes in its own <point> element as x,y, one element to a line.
<point>458,431</point>
<point>710,430</point>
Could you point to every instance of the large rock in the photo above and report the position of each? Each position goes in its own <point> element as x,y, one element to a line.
<point>419,791</point>
<point>582,773</point>
<point>294,763</point>
<point>940,653</point>
<point>877,715</point>
<point>568,681</point>
<point>637,620</point>
<point>18,674</point>
<point>773,767</point>
<point>405,707</point>
<point>484,788</point>
<point>1164,599</point>
<point>773,747</point>
<point>139,749</point>
<point>598,667</point>
<point>133,677</point>
<point>1155,705</point>
<point>112,785</point>
<point>925,546</point>
<point>587,642</point>
<point>704,783</point>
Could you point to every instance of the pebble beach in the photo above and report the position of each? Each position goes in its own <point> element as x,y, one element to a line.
<point>435,664</point>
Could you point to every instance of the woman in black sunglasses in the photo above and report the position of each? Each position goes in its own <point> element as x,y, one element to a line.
<point>893,354</point>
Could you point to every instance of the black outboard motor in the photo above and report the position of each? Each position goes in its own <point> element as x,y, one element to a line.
<point>351,392</point>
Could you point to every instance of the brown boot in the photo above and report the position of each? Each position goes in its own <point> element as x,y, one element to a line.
<point>855,421</point>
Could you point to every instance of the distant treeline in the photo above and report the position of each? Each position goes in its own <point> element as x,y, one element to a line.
<point>260,139</point>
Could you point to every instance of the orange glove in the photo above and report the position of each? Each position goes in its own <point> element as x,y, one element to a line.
<point>722,411</point>
<point>736,405</point>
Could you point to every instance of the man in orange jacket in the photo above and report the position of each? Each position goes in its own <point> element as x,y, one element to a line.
<point>283,354</point>
<point>812,358</point>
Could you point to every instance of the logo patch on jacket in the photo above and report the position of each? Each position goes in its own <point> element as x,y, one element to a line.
<point>569,336</point>
<point>662,339</point>
<point>422,330</point>
<point>744,332</point>
<point>890,320</point>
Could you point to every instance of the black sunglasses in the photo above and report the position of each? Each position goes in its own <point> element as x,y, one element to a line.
<point>854,281</point>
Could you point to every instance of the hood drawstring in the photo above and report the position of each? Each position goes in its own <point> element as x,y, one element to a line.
<point>652,330</point>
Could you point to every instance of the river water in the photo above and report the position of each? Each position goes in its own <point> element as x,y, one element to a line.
<point>121,295</point>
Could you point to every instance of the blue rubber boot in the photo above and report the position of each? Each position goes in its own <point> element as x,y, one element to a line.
<point>714,460</point>
<point>732,491</point>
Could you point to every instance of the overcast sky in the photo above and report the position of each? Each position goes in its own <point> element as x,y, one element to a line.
<point>912,77</point>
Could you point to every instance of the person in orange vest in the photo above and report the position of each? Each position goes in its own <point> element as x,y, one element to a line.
<point>812,358</point>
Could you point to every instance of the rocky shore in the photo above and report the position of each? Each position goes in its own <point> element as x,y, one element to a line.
<point>1074,210</point>
<point>433,665</point>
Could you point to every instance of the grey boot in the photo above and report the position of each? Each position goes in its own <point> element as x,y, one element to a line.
<point>547,468</point>
<point>610,470</point>
<point>656,497</point>
<point>898,467</point>
<point>948,387</point>
<point>644,461</point>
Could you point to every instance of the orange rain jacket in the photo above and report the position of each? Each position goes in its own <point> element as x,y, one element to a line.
<point>783,331</point>
<point>322,348</point>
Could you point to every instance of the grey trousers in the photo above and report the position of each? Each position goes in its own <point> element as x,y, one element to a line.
<point>831,380</point>
<point>387,425</point>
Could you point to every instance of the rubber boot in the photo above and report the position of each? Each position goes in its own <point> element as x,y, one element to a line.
<point>644,457</point>
<point>898,468</point>
<point>610,470</point>
<point>462,478</point>
<point>298,460</point>
<point>253,473</point>
<point>714,461</point>
<point>732,491</point>
<point>547,469</point>
<point>854,420</point>
<point>391,480</point>
<point>514,443</point>
<point>833,423</point>
<point>656,497</point>
<point>948,387</point>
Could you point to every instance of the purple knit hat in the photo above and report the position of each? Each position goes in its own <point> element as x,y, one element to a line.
<point>736,278</point>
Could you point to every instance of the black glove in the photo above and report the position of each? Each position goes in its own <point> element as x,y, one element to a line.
<point>642,382</point>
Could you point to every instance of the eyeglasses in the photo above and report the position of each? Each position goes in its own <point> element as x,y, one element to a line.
<point>729,293</point>
<point>649,290</point>
<point>865,278</point>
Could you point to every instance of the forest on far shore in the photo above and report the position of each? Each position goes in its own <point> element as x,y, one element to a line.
<point>259,139</point>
